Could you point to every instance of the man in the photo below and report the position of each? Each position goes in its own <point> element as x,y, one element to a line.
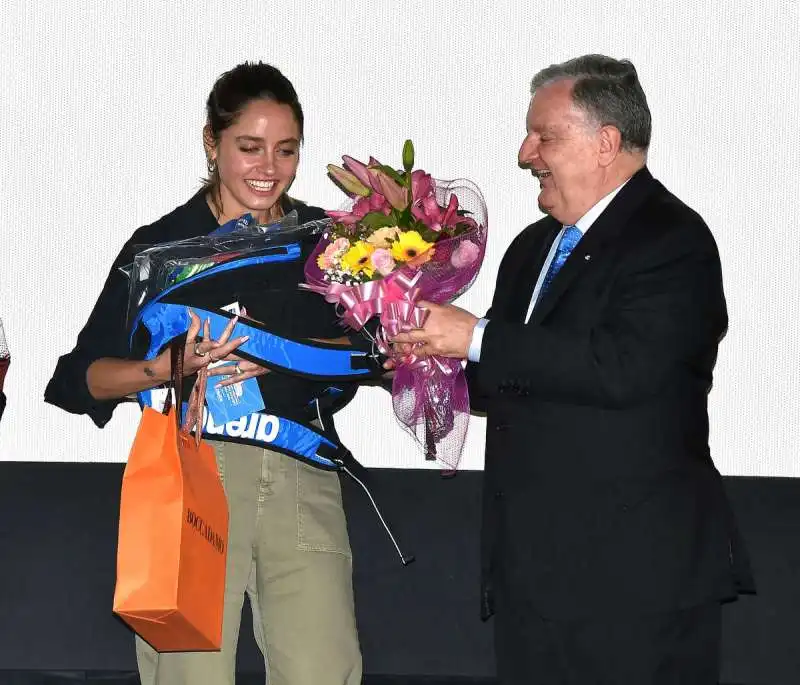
<point>608,544</point>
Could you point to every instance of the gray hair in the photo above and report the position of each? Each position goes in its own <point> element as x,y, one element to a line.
<point>608,90</point>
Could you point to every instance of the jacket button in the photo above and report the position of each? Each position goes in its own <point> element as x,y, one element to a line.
<point>500,427</point>
<point>498,494</point>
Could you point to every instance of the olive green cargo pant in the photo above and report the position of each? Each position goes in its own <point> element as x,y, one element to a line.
<point>288,549</point>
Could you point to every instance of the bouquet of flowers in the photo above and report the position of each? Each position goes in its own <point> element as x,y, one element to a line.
<point>406,237</point>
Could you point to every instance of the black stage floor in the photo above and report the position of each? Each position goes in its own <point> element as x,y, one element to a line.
<point>417,624</point>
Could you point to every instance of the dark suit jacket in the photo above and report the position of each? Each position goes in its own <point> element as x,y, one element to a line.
<point>600,492</point>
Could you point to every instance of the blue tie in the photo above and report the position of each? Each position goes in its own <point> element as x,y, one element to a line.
<point>569,239</point>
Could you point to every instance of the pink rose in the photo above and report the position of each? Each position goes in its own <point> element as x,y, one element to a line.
<point>383,261</point>
<point>338,246</point>
<point>333,251</point>
<point>465,254</point>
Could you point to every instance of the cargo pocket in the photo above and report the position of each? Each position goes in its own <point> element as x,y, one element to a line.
<point>321,524</point>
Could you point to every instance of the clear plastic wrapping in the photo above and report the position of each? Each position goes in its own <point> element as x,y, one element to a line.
<point>157,268</point>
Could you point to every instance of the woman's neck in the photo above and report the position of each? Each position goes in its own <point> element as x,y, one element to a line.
<point>215,204</point>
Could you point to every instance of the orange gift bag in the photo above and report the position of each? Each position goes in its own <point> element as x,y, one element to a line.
<point>173,529</point>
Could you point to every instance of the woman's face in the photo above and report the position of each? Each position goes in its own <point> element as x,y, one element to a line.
<point>257,159</point>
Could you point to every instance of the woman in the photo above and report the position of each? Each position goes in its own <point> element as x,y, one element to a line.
<point>5,361</point>
<point>288,546</point>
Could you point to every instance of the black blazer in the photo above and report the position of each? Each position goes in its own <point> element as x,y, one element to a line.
<point>600,492</point>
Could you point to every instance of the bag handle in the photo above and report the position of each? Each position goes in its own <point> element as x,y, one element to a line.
<point>194,414</point>
<point>176,373</point>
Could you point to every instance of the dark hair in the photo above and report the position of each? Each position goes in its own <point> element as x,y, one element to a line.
<point>236,89</point>
<point>608,90</point>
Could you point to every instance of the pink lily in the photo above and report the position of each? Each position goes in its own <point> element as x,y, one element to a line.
<point>356,168</point>
<point>428,211</point>
<point>349,182</point>
<point>363,206</point>
<point>452,206</point>
<point>374,203</point>
<point>395,194</point>
<point>421,185</point>
<point>345,218</point>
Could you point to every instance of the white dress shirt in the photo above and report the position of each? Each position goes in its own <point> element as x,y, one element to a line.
<point>583,224</point>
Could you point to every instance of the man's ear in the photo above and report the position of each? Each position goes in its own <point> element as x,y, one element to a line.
<point>610,144</point>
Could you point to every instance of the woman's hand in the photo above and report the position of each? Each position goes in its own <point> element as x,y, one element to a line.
<point>239,370</point>
<point>199,354</point>
<point>110,378</point>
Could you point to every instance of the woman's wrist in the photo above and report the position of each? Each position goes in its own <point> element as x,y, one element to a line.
<point>157,369</point>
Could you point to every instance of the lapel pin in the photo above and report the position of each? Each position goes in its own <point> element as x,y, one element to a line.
<point>587,257</point>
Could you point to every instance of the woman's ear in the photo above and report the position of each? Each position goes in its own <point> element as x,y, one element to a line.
<point>209,143</point>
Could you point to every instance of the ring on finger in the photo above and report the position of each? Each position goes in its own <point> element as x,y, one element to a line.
<point>197,351</point>
<point>237,368</point>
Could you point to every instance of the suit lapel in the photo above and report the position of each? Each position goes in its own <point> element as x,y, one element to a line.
<point>530,258</point>
<point>603,232</point>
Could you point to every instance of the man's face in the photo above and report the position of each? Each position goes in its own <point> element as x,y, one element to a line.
<point>562,149</point>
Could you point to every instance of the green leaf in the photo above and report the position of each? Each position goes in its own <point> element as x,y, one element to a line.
<point>405,218</point>
<point>378,220</point>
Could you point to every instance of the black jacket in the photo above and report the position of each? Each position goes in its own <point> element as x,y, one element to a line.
<point>275,300</point>
<point>600,492</point>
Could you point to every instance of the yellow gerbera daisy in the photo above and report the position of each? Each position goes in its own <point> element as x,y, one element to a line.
<point>408,246</point>
<point>356,259</point>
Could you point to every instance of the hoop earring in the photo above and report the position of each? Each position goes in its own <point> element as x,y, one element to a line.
<point>211,164</point>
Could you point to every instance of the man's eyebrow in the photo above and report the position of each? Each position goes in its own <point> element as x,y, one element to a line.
<point>543,128</point>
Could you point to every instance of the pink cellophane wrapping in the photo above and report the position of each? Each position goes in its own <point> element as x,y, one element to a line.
<point>429,394</point>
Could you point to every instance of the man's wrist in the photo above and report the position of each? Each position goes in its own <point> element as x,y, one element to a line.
<point>474,350</point>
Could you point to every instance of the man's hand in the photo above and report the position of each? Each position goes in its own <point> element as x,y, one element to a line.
<point>447,331</point>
